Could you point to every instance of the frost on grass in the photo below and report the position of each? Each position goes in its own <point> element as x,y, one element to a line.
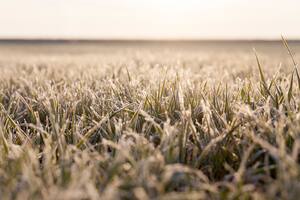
<point>149,126</point>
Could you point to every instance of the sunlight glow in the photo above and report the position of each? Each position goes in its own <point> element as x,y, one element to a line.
<point>174,19</point>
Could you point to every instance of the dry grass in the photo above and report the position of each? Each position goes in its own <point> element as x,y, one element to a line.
<point>152,127</point>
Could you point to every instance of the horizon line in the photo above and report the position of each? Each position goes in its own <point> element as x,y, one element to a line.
<point>63,39</point>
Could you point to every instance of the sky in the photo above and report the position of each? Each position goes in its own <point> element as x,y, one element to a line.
<point>150,19</point>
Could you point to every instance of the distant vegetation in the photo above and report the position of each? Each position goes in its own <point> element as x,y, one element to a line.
<point>149,125</point>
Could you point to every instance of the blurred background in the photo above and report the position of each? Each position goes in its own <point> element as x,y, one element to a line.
<point>155,19</point>
<point>87,31</point>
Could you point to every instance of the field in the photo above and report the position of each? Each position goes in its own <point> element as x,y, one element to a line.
<point>142,120</point>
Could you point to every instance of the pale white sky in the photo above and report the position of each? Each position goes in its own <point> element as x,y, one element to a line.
<point>150,19</point>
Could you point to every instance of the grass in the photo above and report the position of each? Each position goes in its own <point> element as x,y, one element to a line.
<point>139,130</point>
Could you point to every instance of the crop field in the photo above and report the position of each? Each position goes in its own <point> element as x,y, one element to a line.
<point>149,120</point>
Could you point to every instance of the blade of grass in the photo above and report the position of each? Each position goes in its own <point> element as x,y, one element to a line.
<point>292,57</point>
<point>91,131</point>
<point>290,92</point>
